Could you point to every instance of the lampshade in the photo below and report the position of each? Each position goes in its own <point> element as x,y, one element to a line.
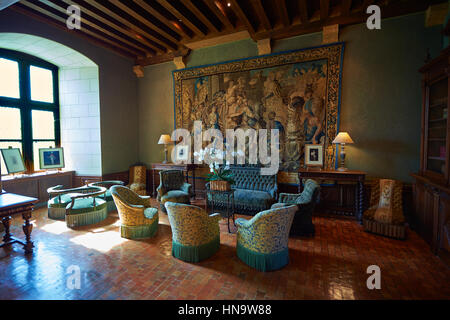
<point>164,139</point>
<point>343,137</point>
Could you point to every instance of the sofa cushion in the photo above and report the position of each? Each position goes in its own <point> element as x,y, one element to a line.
<point>253,197</point>
<point>84,205</point>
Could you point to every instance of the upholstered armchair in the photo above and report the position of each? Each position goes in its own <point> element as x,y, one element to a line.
<point>173,188</point>
<point>385,214</point>
<point>262,242</point>
<point>137,218</point>
<point>195,234</point>
<point>138,180</point>
<point>107,196</point>
<point>306,202</point>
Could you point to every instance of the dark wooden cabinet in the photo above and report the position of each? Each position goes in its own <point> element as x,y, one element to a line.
<point>431,216</point>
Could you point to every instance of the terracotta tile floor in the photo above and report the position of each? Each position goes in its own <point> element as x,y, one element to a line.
<point>332,265</point>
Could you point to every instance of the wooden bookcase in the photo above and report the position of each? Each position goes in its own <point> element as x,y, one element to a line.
<point>432,182</point>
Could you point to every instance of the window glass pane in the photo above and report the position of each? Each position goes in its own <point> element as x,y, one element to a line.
<point>43,124</point>
<point>9,79</point>
<point>36,146</point>
<point>41,84</point>
<point>5,145</point>
<point>10,126</point>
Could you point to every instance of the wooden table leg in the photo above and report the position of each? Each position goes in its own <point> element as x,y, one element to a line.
<point>27,228</point>
<point>153,182</point>
<point>193,182</point>
<point>360,201</point>
<point>7,223</point>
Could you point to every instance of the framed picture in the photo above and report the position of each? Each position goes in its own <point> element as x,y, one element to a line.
<point>13,160</point>
<point>51,158</point>
<point>314,155</point>
<point>181,153</point>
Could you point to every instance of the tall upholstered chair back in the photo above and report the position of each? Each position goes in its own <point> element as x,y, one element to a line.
<point>385,213</point>
<point>171,179</point>
<point>262,242</point>
<point>138,179</point>
<point>195,234</point>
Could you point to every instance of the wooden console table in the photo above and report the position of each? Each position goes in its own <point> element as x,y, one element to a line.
<point>353,176</point>
<point>13,204</point>
<point>172,166</point>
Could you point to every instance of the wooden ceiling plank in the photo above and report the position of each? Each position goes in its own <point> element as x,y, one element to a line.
<point>133,27</point>
<point>148,23</point>
<point>196,11</point>
<point>62,20</point>
<point>324,9</point>
<point>242,16</point>
<point>219,14</point>
<point>181,17</point>
<point>161,17</point>
<point>259,8</point>
<point>282,11</point>
<point>112,25</point>
<point>303,7</point>
<point>83,20</point>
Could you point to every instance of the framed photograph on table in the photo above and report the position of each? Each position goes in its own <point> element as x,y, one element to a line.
<point>13,160</point>
<point>181,153</point>
<point>51,158</point>
<point>314,155</point>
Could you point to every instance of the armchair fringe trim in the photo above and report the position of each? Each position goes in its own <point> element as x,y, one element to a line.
<point>261,261</point>
<point>195,253</point>
<point>139,232</point>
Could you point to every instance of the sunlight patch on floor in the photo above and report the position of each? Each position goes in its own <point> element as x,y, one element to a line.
<point>100,241</point>
<point>57,227</point>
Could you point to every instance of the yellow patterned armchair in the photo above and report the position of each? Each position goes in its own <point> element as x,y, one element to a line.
<point>262,242</point>
<point>195,234</point>
<point>137,218</point>
<point>138,180</point>
<point>385,213</point>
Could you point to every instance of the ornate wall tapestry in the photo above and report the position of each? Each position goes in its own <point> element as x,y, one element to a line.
<point>297,92</point>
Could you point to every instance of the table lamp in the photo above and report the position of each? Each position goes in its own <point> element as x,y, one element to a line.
<point>342,138</point>
<point>165,140</point>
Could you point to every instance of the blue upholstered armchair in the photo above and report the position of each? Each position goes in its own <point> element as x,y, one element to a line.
<point>262,242</point>
<point>306,202</point>
<point>195,234</point>
<point>173,188</point>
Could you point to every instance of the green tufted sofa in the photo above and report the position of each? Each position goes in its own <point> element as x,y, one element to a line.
<point>306,202</point>
<point>78,206</point>
<point>253,192</point>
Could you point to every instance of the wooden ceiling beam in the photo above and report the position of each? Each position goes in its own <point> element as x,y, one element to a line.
<point>219,14</point>
<point>161,18</point>
<point>259,8</point>
<point>242,16</point>
<point>181,17</point>
<point>346,6</point>
<point>112,25</point>
<point>199,14</point>
<point>143,20</point>
<point>165,45</point>
<point>282,11</point>
<point>83,20</point>
<point>324,9</point>
<point>53,16</point>
<point>303,7</point>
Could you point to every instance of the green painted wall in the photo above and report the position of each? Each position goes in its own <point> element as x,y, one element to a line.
<point>381,92</point>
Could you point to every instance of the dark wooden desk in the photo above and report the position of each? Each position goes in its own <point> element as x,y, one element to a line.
<point>172,166</point>
<point>12,204</point>
<point>353,176</point>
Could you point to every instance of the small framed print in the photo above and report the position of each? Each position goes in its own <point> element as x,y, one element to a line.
<point>51,158</point>
<point>13,160</point>
<point>314,155</point>
<point>181,153</point>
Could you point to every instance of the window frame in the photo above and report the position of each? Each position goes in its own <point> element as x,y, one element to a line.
<point>26,105</point>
